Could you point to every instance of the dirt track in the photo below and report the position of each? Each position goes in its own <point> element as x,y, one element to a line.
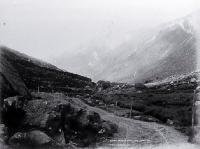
<point>137,133</point>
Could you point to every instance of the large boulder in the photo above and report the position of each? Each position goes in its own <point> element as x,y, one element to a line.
<point>13,113</point>
<point>33,138</point>
<point>108,128</point>
<point>140,86</point>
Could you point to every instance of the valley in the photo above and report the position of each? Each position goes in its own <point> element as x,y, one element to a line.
<point>66,110</point>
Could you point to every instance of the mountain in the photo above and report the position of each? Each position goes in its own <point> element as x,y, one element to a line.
<point>21,74</point>
<point>170,49</point>
<point>171,52</point>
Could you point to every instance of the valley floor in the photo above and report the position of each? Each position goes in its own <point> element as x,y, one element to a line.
<point>137,134</point>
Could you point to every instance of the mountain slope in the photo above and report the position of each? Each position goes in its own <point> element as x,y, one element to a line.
<point>169,49</point>
<point>24,72</point>
<point>11,82</point>
<point>172,52</point>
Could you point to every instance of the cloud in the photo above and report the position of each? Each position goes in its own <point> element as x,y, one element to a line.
<point>51,27</point>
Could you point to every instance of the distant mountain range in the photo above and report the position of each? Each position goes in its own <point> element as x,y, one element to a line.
<point>170,49</point>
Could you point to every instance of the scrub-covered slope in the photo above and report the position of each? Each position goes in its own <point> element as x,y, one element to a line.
<point>38,75</point>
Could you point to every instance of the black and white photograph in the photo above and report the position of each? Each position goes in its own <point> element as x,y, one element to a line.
<point>99,74</point>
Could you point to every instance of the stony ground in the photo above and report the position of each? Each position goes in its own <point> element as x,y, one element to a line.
<point>135,134</point>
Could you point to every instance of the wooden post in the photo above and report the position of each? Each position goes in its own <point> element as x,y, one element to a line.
<point>38,90</point>
<point>131,109</point>
<point>191,137</point>
<point>193,109</point>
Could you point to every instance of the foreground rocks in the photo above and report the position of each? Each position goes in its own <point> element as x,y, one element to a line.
<point>35,138</point>
<point>53,119</point>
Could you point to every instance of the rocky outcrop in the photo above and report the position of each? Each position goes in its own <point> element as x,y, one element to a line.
<point>57,120</point>
<point>13,113</point>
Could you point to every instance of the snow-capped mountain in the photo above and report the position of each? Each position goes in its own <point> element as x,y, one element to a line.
<point>170,49</point>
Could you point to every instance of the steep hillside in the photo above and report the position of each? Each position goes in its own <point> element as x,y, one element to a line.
<point>172,52</point>
<point>38,75</point>
<point>11,81</point>
<point>169,49</point>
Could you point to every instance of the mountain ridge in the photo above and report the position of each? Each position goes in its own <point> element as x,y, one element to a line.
<point>132,63</point>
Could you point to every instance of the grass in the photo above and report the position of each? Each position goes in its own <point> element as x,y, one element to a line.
<point>164,102</point>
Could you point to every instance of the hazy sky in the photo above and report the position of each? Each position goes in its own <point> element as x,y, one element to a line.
<point>46,28</point>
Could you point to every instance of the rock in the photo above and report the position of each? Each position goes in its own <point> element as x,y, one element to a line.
<point>198,89</point>
<point>13,113</point>
<point>38,137</point>
<point>109,128</point>
<point>139,91</point>
<point>60,121</point>
<point>83,119</point>
<point>59,138</point>
<point>43,115</point>
<point>93,117</point>
<point>137,117</point>
<point>3,133</point>
<point>193,80</point>
<point>140,86</point>
<point>35,138</point>
<point>16,101</point>
<point>103,84</point>
<point>170,122</point>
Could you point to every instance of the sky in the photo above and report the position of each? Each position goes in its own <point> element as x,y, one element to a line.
<point>49,28</point>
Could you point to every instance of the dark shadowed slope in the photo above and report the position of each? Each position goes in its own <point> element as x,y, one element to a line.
<point>11,82</point>
<point>22,71</point>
